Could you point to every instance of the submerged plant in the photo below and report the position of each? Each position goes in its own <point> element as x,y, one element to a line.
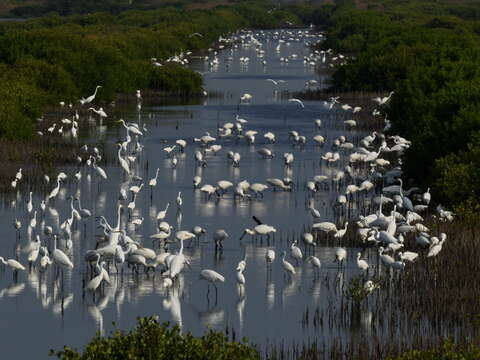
<point>359,290</point>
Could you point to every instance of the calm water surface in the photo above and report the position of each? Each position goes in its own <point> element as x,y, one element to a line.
<point>35,310</point>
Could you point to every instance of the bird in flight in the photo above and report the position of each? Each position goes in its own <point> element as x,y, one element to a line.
<point>276,82</point>
<point>297,101</point>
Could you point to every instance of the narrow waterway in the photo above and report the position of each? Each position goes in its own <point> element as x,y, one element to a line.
<point>38,310</point>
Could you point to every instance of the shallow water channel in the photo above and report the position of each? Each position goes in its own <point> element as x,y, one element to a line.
<point>36,311</point>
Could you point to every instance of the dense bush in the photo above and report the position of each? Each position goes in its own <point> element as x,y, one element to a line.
<point>150,340</point>
<point>428,53</point>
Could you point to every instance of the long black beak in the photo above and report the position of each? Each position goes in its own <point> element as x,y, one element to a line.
<point>256,220</point>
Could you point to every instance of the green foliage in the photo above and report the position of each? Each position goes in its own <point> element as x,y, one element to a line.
<point>458,180</point>
<point>447,351</point>
<point>150,340</point>
<point>172,77</point>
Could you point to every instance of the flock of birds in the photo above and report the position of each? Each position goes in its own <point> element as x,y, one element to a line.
<point>364,175</point>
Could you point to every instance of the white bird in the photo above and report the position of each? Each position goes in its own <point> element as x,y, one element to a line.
<point>30,203</point>
<point>436,248</point>
<point>153,181</point>
<point>161,214</point>
<point>13,264</point>
<point>123,163</point>
<point>287,267</point>
<point>276,82</point>
<point>240,277</point>
<point>319,139</point>
<point>33,220</point>
<point>245,98</point>
<point>182,144</point>
<point>219,237</point>
<point>308,239</point>
<point>297,101</point>
<point>224,185</point>
<point>384,100</point>
<point>169,149</point>
<point>55,191</point>
<point>361,264</point>
<point>45,259</point>
<point>269,257</point>
<point>408,255</point>
<point>315,261</point>
<point>208,189</point>
<point>18,175</point>
<point>33,253</point>
<point>387,260</point>
<point>177,263</point>
<point>212,277</point>
<point>341,232</point>
<point>296,253</point>
<point>131,128</point>
<point>95,282</point>
<point>99,112</point>
<point>242,264</point>
<point>59,257</point>
<point>179,199</point>
<point>325,226</point>
<point>135,189</point>
<point>258,189</point>
<point>270,137</point>
<point>102,173</point>
<point>89,99</point>
<point>314,212</point>
<point>196,181</point>
<point>340,255</point>
<point>265,153</point>
<point>427,197</point>
<point>288,159</point>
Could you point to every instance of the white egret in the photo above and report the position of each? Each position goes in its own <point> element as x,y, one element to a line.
<point>59,257</point>
<point>296,253</point>
<point>30,203</point>
<point>315,261</point>
<point>13,264</point>
<point>340,255</point>
<point>179,199</point>
<point>161,214</point>
<point>287,267</point>
<point>269,257</point>
<point>89,99</point>
<point>153,182</point>
<point>297,101</point>
<point>123,163</point>
<point>212,277</point>
<point>361,264</point>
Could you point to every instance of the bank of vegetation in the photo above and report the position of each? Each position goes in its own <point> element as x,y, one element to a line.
<point>428,53</point>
